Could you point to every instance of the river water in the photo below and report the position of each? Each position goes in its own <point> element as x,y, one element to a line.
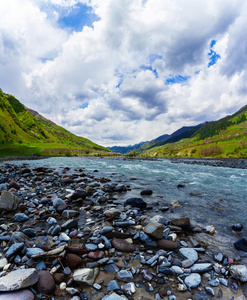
<point>211,195</point>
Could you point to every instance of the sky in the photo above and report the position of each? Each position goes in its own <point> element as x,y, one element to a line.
<point>120,72</point>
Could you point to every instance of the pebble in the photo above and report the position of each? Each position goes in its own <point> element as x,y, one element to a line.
<point>192,281</point>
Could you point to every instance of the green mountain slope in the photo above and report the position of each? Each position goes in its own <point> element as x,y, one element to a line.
<point>25,132</point>
<point>226,137</point>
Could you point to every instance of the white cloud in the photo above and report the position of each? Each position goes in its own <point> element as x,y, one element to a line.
<point>107,82</point>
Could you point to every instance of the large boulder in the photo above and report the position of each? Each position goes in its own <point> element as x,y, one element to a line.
<point>8,201</point>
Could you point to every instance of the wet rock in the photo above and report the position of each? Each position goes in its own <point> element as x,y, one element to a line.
<point>189,253</point>
<point>18,279</point>
<point>192,281</point>
<point>46,284</point>
<point>239,272</point>
<point>237,227</point>
<point>8,201</point>
<point>20,237</point>
<point>129,288</point>
<point>111,268</point>
<point>182,222</point>
<point>30,232</point>
<point>70,213</point>
<point>136,202</point>
<point>112,286</point>
<point>33,251</point>
<point>73,260</point>
<point>125,276</point>
<point>146,192</point>
<point>86,275</point>
<point>113,296</point>
<point>241,244</point>
<point>167,245</point>
<point>14,249</point>
<point>155,230</point>
<point>21,217</point>
<point>17,295</point>
<point>56,202</point>
<point>69,224</point>
<point>78,195</point>
<point>123,245</point>
<point>201,267</point>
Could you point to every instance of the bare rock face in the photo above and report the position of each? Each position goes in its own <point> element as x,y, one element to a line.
<point>19,279</point>
<point>8,201</point>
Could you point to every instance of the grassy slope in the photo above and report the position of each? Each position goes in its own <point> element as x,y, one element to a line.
<point>25,132</point>
<point>226,138</point>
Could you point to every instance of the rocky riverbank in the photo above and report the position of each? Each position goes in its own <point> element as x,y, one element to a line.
<point>70,235</point>
<point>237,163</point>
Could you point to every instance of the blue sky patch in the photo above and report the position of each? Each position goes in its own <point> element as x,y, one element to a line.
<point>77,17</point>
<point>176,79</point>
<point>84,105</point>
<point>143,67</point>
<point>213,56</point>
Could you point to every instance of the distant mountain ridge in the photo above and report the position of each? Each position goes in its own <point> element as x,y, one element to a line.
<point>25,131</point>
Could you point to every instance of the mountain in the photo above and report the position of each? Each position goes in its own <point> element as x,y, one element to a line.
<point>226,137</point>
<point>23,131</point>
<point>125,149</point>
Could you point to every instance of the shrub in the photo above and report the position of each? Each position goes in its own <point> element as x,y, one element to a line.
<point>209,151</point>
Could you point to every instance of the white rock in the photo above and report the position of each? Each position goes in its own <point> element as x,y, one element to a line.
<point>189,253</point>
<point>86,275</point>
<point>62,286</point>
<point>63,237</point>
<point>3,262</point>
<point>193,280</point>
<point>239,272</point>
<point>177,270</point>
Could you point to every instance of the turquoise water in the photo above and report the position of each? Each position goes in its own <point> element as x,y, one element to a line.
<point>212,195</point>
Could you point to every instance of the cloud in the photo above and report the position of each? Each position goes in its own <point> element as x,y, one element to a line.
<point>125,71</point>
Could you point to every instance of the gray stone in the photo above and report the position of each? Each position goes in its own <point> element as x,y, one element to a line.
<point>155,230</point>
<point>63,237</point>
<point>111,268</point>
<point>189,253</point>
<point>19,279</point>
<point>239,272</point>
<point>56,202</point>
<point>223,281</point>
<point>8,201</point>
<point>125,276</point>
<point>210,291</point>
<point>33,251</point>
<point>69,224</point>
<point>201,267</point>
<point>70,213</point>
<point>192,281</point>
<point>86,275</point>
<point>113,296</point>
<point>21,217</point>
<point>214,282</point>
<point>218,256</point>
<point>3,187</point>
<point>112,286</point>
<point>129,288</point>
<point>106,229</point>
<point>15,248</point>
<point>177,270</point>
<point>91,247</point>
<point>55,230</point>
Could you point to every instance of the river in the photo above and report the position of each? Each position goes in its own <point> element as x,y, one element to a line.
<point>211,195</point>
